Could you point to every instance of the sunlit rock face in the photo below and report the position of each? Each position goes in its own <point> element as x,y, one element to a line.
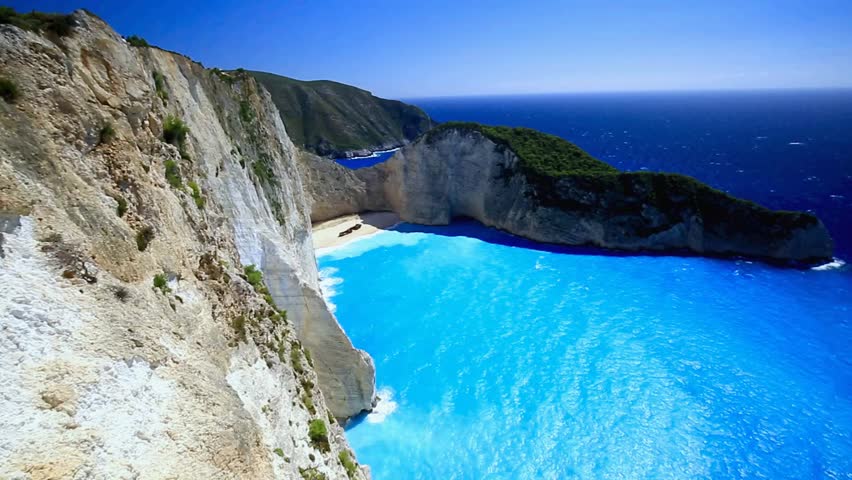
<point>202,377</point>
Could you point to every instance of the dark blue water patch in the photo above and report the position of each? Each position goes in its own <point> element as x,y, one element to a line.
<point>470,228</point>
<point>784,149</point>
<point>363,162</point>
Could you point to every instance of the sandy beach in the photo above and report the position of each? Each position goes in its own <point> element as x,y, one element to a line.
<point>327,234</point>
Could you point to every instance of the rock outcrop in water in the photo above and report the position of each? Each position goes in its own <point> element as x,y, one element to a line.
<point>133,343</point>
<point>554,192</point>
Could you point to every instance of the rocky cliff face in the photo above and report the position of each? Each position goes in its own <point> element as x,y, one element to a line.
<point>333,190</point>
<point>106,375</point>
<point>459,172</point>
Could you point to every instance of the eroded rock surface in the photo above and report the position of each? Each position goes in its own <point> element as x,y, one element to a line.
<point>106,376</point>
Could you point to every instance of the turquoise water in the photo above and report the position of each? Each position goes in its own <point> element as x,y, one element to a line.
<point>501,359</point>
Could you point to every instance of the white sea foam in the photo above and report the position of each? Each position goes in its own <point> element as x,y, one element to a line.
<point>328,284</point>
<point>832,265</point>
<point>321,252</point>
<point>384,407</point>
<point>796,143</point>
<point>359,246</point>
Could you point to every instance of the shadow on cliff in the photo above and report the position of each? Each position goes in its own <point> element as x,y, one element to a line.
<point>468,227</point>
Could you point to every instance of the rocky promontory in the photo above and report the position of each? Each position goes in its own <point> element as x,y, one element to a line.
<point>546,189</point>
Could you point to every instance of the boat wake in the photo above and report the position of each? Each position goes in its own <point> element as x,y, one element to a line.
<point>832,265</point>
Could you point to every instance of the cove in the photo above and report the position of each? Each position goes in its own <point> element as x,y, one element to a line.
<point>374,158</point>
<point>498,358</point>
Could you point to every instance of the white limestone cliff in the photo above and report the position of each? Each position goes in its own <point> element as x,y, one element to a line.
<point>104,376</point>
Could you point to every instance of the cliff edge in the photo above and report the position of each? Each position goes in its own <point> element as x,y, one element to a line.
<point>161,314</point>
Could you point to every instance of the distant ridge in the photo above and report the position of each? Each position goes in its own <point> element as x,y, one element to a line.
<point>334,119</point>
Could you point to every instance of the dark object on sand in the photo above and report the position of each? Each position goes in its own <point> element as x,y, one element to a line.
<point>349,230</point>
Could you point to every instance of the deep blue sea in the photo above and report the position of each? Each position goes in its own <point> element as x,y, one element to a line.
<point>785,149</point>
<point>499,358</point>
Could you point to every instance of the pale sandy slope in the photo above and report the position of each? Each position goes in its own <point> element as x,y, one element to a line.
<point>326,234</point>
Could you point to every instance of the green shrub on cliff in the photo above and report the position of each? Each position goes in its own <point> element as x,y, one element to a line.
<point>318,433</point>
<point>309,403</point>
<point>200,200</point>
<point>174,131</point>
<point>137,41</point>
<point>106,133</point>
<point>144,237</point>
<point>239,326</point>
<point>121,209</point>
<point>348,464</point>
<point>254,276</point>
<point>8,90</point>
<point>160,86</point>
<point>246,113</point>
<point>296,358</point>
<point>161,284</point>
<point>173,174</point>
<point>262,168</point>
<point>312,474</point>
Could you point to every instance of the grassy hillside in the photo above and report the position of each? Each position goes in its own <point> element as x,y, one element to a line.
<point>330,118</point>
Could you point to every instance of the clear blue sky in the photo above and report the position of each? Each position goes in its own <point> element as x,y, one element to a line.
<point>426,48</point>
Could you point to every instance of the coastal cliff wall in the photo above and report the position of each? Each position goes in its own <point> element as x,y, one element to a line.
<point>453,172</point>
<point>333,190</point>
<point>134,344</point>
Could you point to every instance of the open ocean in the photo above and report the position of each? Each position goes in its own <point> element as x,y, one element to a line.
<point>499,358</point>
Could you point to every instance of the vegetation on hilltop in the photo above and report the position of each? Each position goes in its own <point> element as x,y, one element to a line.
<point>562,175</point>
<point>330,118</point>
<point>137,41</point>
<point>540,153</point>
<point>40,22</point>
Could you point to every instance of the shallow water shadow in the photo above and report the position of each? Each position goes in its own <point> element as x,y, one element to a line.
<point>355,421</point>
<point>379,219</point>
<point>468,227</point>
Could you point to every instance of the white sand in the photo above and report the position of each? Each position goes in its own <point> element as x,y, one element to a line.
<point>326,234</point>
